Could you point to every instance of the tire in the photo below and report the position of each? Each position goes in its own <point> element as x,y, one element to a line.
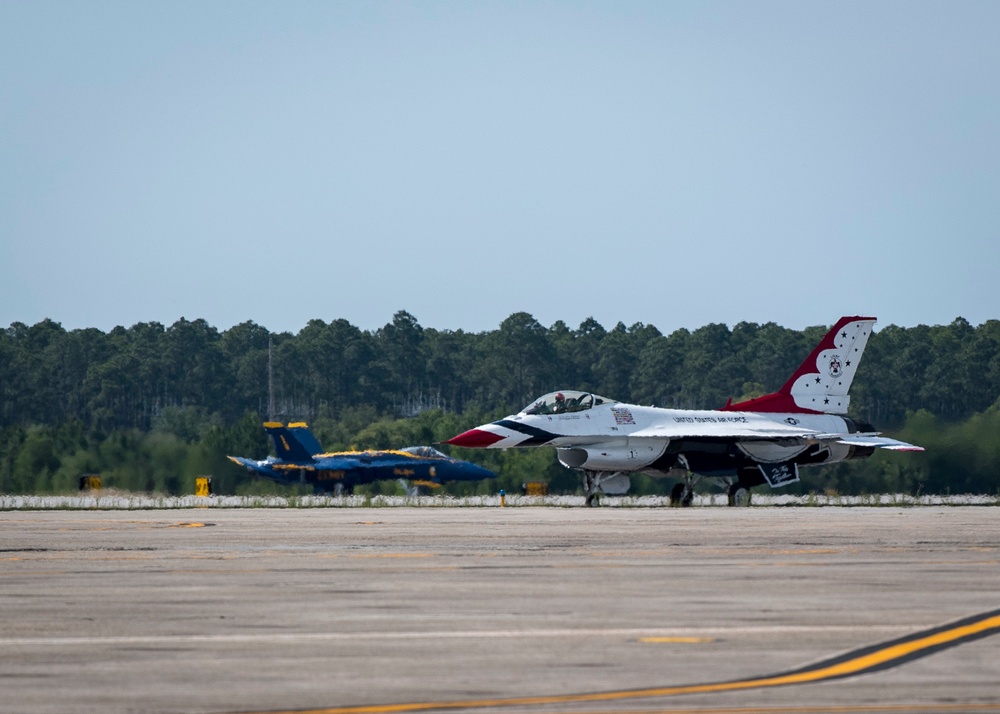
<point>739,495</point>
<point>678,497</point>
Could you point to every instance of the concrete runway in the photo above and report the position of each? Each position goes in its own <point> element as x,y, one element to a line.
<point>500,609</point>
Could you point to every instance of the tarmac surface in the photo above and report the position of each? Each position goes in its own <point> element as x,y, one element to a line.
<point>530,609</point>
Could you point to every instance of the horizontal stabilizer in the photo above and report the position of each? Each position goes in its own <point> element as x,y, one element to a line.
<point>261,467</point>
<point>881,442</point>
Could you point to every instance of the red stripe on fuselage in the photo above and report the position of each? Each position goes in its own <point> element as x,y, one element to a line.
<point>475,439</point>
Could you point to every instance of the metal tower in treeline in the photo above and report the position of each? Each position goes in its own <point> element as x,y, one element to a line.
<point>270,379</point>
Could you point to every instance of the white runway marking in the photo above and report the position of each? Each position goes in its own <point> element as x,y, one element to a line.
<point>280,638</point>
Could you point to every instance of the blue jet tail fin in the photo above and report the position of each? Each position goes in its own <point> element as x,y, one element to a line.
<point>287,445</point>
<point>300,431</point>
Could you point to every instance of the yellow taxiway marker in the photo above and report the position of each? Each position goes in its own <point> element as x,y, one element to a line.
<point>869,659</point>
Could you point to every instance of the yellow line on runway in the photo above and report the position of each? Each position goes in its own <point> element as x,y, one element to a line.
<point>841,709</point>
<point>868,659</point>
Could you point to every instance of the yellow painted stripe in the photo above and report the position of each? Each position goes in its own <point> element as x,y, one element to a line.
<point>835,709</point>
<point>811,709</point>
<point>878,657</point>
<point>375,452</point>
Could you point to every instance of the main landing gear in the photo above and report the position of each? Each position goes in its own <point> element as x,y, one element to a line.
<point>591,488</point>
<point>682,494</point>
<point>739,495</point>
<point>339,489</point>
<point>737,491</point>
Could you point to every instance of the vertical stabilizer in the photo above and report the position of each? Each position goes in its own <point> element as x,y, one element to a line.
<point>821,383</point>
<point>286,444</point>
<point>300,431</point>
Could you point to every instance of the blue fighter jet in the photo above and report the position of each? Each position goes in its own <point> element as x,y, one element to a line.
<point>300,460</point>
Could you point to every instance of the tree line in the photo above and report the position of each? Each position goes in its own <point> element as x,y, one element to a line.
<point>152,405</point>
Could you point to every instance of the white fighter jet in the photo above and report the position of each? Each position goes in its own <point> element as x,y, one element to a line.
<point>762,440</point>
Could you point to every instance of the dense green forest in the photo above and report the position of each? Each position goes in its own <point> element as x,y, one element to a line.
<point>151,407</point>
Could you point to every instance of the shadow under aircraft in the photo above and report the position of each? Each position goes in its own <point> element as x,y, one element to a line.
<point>301,460</point>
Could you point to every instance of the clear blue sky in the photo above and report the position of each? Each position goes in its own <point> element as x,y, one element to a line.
<point>672,163</point>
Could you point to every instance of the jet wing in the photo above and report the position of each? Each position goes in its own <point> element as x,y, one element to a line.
<point>341,462</point>
<point>730,428</point>
<point>737,429</point>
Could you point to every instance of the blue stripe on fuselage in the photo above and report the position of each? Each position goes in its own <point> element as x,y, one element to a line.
<point>536,436</point>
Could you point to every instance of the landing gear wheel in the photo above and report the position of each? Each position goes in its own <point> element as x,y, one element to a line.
<point>739,495</point>
<point>681,495</point>
<point>591,488</point>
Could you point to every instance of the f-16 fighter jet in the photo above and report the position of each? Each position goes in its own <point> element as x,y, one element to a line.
<point>762,440</point>
<point>300,460</point>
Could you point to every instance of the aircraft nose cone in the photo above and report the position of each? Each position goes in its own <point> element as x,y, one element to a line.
<point>475,439</point>
<point>474,472</point>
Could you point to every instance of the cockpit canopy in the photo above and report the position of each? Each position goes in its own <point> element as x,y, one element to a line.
<point>565,402</point>
<point>428,452</point>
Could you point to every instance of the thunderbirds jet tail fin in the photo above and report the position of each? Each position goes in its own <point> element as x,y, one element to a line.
<point>821,383</point>
<point>292,443</point>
